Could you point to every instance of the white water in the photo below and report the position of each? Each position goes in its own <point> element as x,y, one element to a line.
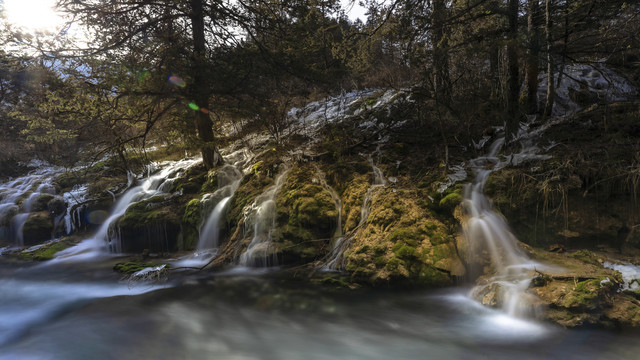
<point>488,233</point>
<point>12,210</point>
<point>107,238</point>
<point>336,260</point>
<point>229,178</point>
<point>26,303</point>
<point>261,217</point>
<point>630,274</point>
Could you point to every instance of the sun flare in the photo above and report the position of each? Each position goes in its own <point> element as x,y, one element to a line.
<point>32,15</point>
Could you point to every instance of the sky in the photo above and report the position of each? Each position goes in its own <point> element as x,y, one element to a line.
<point>354,11</point>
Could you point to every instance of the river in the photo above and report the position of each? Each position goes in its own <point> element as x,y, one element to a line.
<point>81,311</point>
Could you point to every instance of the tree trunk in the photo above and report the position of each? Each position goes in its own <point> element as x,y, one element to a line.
<point>442,81</point>
<point>200,90</point>
<point>551,91</point>
<point>513,82</point>
<point>533,60</point>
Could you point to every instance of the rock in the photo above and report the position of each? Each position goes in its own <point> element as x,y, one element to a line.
<point>152,224</point>
<point>556,248</point>
<point>37,229</point>
<point>306,217</point>
<point>402,243</point>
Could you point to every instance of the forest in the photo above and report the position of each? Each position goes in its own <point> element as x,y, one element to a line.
<point>398,177</point>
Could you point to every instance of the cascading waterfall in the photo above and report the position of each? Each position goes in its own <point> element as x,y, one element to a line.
<point>336,260</point>
<point>488,233</point>
<point>261,216</point>
<point>107,238</point>
<point>15,208</point>
<point>229,178</point>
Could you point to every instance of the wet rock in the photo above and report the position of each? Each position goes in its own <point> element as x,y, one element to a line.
<point>37,229</point>
<point>152,224</point>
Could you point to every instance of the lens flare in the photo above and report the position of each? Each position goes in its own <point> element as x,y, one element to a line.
<point>193,106</point>
<point>143,75</point>
<point>204,111</point>
<point>177,81</point>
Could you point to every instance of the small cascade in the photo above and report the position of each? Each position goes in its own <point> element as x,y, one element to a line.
<point>229,178</point>
<point>488,233</point>
<point>336,260</point>
<point>107,238</point>
<point>75,200</point>
<point>17,224</point>
<point>17,198</point>
<point>261,216</point>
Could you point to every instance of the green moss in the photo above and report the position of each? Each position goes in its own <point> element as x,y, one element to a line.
<point>191,219</point>
<point>405,252</point>
<point>450,201</point>
<point>153,210</point>
<point>585,256</point>
<point>48,251</point>
<point>306,214</point>
<point>131,267</point>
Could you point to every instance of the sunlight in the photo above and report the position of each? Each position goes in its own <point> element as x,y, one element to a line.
<point>32,15</point>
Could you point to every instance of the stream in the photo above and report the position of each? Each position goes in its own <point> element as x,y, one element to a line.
<point>84,311</point>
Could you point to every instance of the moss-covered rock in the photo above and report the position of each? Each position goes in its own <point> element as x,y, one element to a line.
<point>191,225</point>
<point>131,267</point>
<point>37,229</point>
<point>306,215</point>
<point>401,243</point>
<point>41,202</point>
<point>152,224</point>
<point>48,251</point>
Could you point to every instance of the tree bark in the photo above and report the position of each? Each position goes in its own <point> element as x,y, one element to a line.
<point>513,82</point>
<point>200,90</point>
<point>533,60</point>
<point>442,79</point>
<point>551,91</point>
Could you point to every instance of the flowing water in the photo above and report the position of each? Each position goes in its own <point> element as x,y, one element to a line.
<point>260,216</point>
<point>229,178</point>
<point>17,198</point>
<point>57,313</point>
<point>107,238</point>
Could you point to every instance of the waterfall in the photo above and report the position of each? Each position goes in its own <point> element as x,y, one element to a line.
<point>487,232</point>
<point>15,205</point>
<point>261,215</point>
<point>229,178</point>
<point>74,199</point>
<point>108,238</point>
<point>336,260</point>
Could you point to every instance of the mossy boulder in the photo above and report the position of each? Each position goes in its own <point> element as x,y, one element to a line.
<point>152,224</point>
<point>306,216</point>
<point>41,202</point>
<point>402,244</point>
<point>191,220</point>
<point>191,181</point>
<point>57,206</point>
<point>37,229</point>
<point>352,199</point>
